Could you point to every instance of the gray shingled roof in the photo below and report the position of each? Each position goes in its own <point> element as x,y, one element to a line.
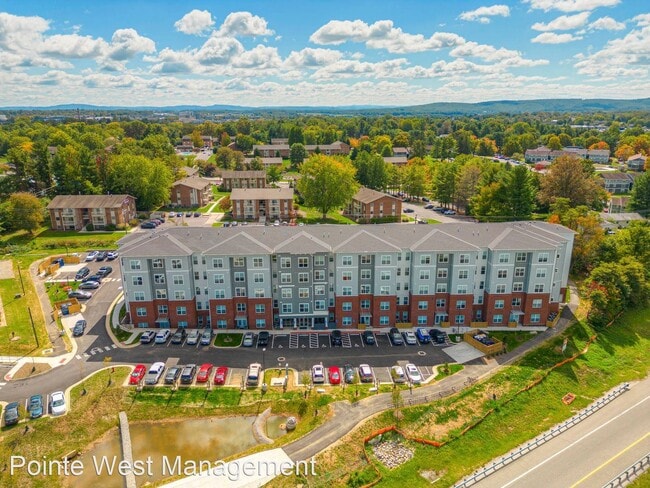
<point>366,195</point>
<point>87,201</point>
<point>193,182</point>
<point>261,194</point>
<point>244,174</point>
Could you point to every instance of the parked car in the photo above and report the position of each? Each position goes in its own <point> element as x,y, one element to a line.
<point>368,337</point>
<point>413,374</point>
<point>334,375</point>
<point>137,374</point>
<point>187,375</point>
<point>179,336</point>
<point>449,212</point>
<point>101,255</point>
<point>365,373</point>
<point>197,214</point>
<point>35,407</point>
<point>253,374</point>
<point>111,255</point>
<point>248,339</point>
<point>147,225</point>
<point>263,338</point>
<point>104,270</point>
<point>82,273</point>
<point>206,337</point>
<point>409,337</point>
<point>220,375</point>
<point>79,328</point>
<point>395,337</point>
<point>79,294</point>
<point>94,277</point>
<point>155,371</point>
<point>91,256</point>
<point>89,285</point>
<point>336,338</point>
<point>439,209</point>
<point>57,403</point>
<point>204,373</point>
<point>193,337</point>
<point>348,373</point>
<point>172,375</point>
<point>422,335</point>
<point>317,374</point>
<point>12,416</point>
<point>188,214</point>
<point>397,374</point>
<point>408,210</point>
<point>438,336</point>
<point>428,206</point>
<point>147,336</point>
<point>162,336</point>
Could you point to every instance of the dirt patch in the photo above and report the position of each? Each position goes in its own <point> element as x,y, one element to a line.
<point>28,370</point>
<point>6,269</point>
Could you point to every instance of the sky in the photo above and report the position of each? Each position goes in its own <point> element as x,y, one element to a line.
<point>320,52</point>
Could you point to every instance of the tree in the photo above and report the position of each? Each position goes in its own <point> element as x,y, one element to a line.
<point>640,195</point>
<point>567,177</point>
<point>520,194</point>
<point>274,174</point>
<point>147,180</point>
<point>327,182</point>
<point>297,154</point>
<point>415,178</point>
<point>444,183</point>
<point>296,136</point>
<point>554,143</point>
<point>467,184</point>
<point>24,211</point>
<point>371,171</point>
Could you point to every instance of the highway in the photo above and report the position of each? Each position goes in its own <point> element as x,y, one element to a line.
<point>589,454</point>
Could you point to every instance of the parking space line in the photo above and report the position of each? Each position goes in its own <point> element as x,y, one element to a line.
<point>313,341</point>
<point>346,341</point>
<point>293,341</point>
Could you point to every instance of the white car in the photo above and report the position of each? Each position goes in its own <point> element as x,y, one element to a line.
<point>410,339</point>
<point>413,373</point>
<point>317,374</point>
<point>397,373</point>
<point>57,403</point>
<point>162,336</point>
<point>153,376</point>
<point>91,256</point>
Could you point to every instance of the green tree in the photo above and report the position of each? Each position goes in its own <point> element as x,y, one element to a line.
<point>371,170</point>
<point>296,136</point>
<point>415,178</point>
<point>327,182</point>
<point>147,180</point>
<point>567,177</point>
<point>297,154</point>
<point>520,194</point>
<point>640,195</point>
<point>274,174</point>
<point>444,183</point>
<point>24,211</point>
<point>554,143</point>
<point>466,184</point>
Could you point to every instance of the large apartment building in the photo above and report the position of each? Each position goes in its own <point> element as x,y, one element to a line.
<point>346,276</point>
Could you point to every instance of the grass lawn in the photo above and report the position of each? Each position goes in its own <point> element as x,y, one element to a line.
<point>57,292</point>
<point>228,339</point>
<point>513,339</point>
<point>59,241</point>
<point>314,216</point>
<point>217,194</point>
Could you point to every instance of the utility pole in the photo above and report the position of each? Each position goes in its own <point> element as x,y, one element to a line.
<point>38,344</point>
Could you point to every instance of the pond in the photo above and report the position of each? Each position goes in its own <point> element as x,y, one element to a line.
<point>161,447</point>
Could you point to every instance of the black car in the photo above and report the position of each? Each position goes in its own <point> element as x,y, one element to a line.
<point>95,277</point>
<point>179,336</point>
<point>172,375</point>
<point>263,338</point>
<point>11,414</point>
<point>395,337</point>
<point>368,337</point>
<point>104,270</point>
<point>438,336</point>
<point>79,328</point>
<point>197,214</point>
<point>336,338</point>
<point>82,273</point>
<point>147,225</point>
<point>188,373</point>
<point>101,255</point>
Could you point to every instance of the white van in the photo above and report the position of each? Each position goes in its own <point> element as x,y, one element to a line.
<point>253,375</point>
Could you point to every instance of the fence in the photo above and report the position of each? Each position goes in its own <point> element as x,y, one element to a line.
<point>542,439</point>
<point>631,473</point>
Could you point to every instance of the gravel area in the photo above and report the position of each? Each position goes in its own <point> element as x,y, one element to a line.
<point>392,453</point>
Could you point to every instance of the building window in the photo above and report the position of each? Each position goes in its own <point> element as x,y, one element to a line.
<point>384,305</point>
<point>241,307</point>
<point>385,260</point>
<point>218,279</point>
<point>385,276</point>
<point>319,289</point>
<point>460,319</point>
<point>178,280</point>
<point>181,310</point>
<point>285,277</point>
<point>502,273</point>
<point>519,272</point>
<point>141,312</point>
<point>240,292</point>
<point>238,262</point>
<point>499,303</point>
<point>285,262</point>
<point>365,289</point>
<point>319,304</point>
<point>303,293</point>
<point>287,293</point>
<point>442,274</point>
<point>537,303</point>
<point>422,320</point>
<point>463,274</point>
<point>504,258</point>
<point>179,295</point>
<point>535,318</point>
<point>441,303</point>
<point>520,257</point>
<point>423,305</point>
<point>239,277</point>
<point>365,304</point>
<point>134,264</point>
<point>443,258</point>
<point>138,296</point>
<point>461,304</point>
<point>383,320</point>
<point>303,262</point>
<point>543,257</point>
<point>463,258</point>
<point>161,294</point>
<point>222,324</point>
<point>220,309</point>
<point>539,288</point>
<point>540,273</point>
<point>346,306</point>
<point>177,264</point>
<point>479,299</point>
<point>346,321</point>
<point>497,318</point>
<point>441,288</point>
<point>366,259</point>
<point>424,274</point>
<point>258,277</point>
<point>158,279</point>
<point>220,293</point>
<point>347,291</point>
<point>319,260</point>
<point>137,280</point>
<point>516,287</point>
<point>501,288</point>
<point>319,275</point>
<point>217,262</point>
<point>346,275</point>
<point>461,289</point>
<point>423,289</point>
<point>516,302</point>
<point>157,263</point>
<point>384,290</point>
<point>425,259</point>
<point>162,309</point>
<point>303,277</point>
<point>258,262</point>
<point>366,274</point>
<point>260,323</point>
<point>346,260</point>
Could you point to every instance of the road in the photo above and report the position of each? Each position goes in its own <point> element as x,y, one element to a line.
<point>421,213</point>
<point>589,454</point>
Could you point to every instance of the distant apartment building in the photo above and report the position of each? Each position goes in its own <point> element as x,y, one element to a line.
<point>284,150</point>
<point>544,154</point>
<point>396,160</point>
<point>616,182</point>
<point>74,212</point>
<point>370,204</point>
<point>192,191</point>
<point>266,162</point>
<point>637,162</point>
<point>270,203</point>
<point>346,277</point>
<point>243,179</point>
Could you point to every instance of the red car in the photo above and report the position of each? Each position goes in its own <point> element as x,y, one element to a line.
<point>334,374</point>
<point>204,373</point>
<point>138,373</point>
<point>220,375</point>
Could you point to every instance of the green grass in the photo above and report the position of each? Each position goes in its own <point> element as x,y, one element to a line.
<point>121,334</point>
<point>314,216</point>
<point>217,194</point>
<point>58,241</point>
<point>513,339</point>
<point>228,339</point>
<point>57,292</point>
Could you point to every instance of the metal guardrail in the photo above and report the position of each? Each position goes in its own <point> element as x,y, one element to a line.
<point>541,439</point>
<point>631,473</point>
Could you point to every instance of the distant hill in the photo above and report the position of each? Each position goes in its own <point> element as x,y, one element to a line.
<point>575,105</point>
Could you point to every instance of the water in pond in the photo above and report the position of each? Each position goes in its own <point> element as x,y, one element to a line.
<point>207,439</point>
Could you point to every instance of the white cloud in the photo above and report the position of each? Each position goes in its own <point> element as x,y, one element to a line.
<point>606,23</point>
<point>483,14</point>
<point>196,22</point>
<point>571,5</point>
<point>564,22</point>
<point>553,38</point>
<point>219,50</point>
<point>74,46</point>
<point>642,20</point>
<point>126,43</point>
<point>312,58</point>
<point>19,33</point>
<point>244,24</point>
<point>260,57</point>
<point>382,35</point>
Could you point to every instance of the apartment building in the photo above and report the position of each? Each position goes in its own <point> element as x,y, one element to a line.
<point>544,154</point>
<point>243,179</point>
<point>368,204</point>
<point>74,212</point>
<point>270,203</point>
<point>192,191</point>
<point>329,276</point>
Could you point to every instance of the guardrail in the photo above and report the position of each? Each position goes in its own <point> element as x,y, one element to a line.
<point>631,473</point>
<point>542,439</point>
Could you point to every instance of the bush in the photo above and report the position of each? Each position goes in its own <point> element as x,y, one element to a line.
<point>90,227</point>
<point>110,227</point>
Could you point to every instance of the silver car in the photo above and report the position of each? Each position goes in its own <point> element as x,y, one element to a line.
<point>193,337</point>
<point>153,376</point>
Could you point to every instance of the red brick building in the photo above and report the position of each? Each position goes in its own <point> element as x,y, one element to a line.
<point>370,204</point>
<point>74,212</point>
<point>253,203</point>
<point>192,191</point>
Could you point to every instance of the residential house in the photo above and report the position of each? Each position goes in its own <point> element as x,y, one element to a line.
<point>192,191</point>
<point>396,160</point>
<point>618,204</point>
<point>75,212</point>
<point>269,203</point>
<point>243,179</point>
<point>266,162</point>
<point>279,140</point>
<point>346,276</point>
<point>370,204</point>
<point>543,154</point>
<point>637,162</point>
<point>616,182</point>
<point>284,150</point>
<point>401,151</point>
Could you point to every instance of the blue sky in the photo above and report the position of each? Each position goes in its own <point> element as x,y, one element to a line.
<point>321,52</point>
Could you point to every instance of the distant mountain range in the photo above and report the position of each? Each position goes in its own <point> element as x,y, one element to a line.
<point>439,108</point>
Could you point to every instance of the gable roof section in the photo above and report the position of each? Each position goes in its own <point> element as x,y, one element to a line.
<point>437,240</point>
<point>368,241</point>
<point>516,240</point>
<point>193,182</point>
<point>158,245</point>
<point>302,243</point>
<point>88,201</point>
<point>366,195</point>
<point>240,243</point>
